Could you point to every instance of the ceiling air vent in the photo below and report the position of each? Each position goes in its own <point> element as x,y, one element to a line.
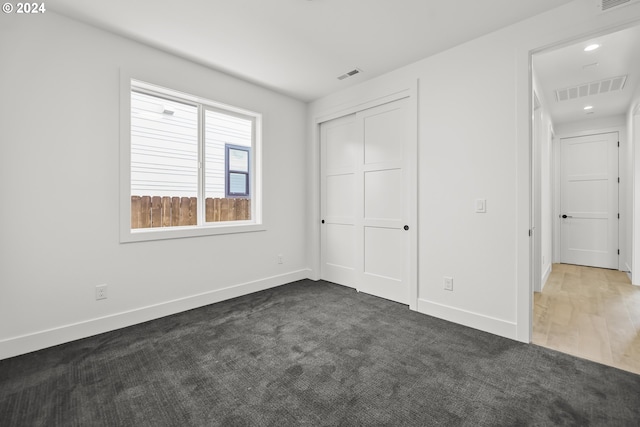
<point>350,73</point>
<point>612,84</point>
<point>605,5</point>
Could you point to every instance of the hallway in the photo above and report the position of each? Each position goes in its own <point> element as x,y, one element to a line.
<point>591,313</point>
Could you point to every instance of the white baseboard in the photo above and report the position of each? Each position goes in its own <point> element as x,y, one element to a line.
<point>38,340</point>
<point>478,321</point>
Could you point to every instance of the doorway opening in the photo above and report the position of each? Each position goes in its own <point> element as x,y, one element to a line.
<point>582,198</point>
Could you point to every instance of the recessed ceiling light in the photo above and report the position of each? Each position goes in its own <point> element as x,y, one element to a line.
<point>591,47</point>
<point>588,107</point>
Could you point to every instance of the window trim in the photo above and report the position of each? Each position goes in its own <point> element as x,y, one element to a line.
<point>129,82</point>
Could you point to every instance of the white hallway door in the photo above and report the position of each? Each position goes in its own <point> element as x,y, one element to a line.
<point>589,200</point>
<point>365,200</point>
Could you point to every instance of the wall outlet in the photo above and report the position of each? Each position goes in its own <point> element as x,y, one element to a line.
<point>280,259</point>
<point>101,292</point>
<point>448,283</point>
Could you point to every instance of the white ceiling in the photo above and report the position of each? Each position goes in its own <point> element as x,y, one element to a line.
<point>565,67</point>
<point>300,47</point>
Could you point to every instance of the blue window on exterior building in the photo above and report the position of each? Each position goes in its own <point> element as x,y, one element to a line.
<point>237,170</point>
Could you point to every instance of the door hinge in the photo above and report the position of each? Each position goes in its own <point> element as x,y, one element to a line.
<point>529,232</point>
<point>618,216</point>
<point>618,251</point>
<point>618,180</point>
<point>618,143</point>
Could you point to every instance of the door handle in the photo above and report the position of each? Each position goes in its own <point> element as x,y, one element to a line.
<point>567,216</point>
<point>406,227</point>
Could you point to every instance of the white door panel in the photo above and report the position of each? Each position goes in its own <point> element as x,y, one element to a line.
<point>381,134</point>
<point>377,261</point>
<point>589,200</point>
<point>382,195</point>
<point>339,253</point>
<point>385,243</point>
<point>366,193</point>
<point>341,203</point>
<point>338,155</point>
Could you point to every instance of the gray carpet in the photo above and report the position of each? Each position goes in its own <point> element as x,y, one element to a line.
<point>309,354</point>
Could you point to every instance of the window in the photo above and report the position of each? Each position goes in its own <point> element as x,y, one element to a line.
<point>237,171</point>
<point>191,166</point>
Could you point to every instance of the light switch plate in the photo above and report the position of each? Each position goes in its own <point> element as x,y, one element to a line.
<point>481,205</point>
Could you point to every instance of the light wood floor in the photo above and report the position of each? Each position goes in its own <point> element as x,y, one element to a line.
<point>591,313</point>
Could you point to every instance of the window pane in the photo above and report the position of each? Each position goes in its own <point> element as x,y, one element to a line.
<point>164,147</point>
<point>237,183</point>
<point>227,197</point>
<point>238,160</point>
<point>164,162</point>
<point>220,130</point>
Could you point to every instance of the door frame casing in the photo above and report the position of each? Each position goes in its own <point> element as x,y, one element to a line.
<point>374,98</point>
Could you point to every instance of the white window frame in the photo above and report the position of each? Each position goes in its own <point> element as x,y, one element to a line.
<point>127,234</point>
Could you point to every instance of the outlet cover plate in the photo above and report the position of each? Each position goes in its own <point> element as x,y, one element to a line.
<point>101,292</point>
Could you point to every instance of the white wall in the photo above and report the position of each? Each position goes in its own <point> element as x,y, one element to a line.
<point>546,189</point>
<point>474,118</point>
<point>585,127</point>
<point>542,164</point>
<point>59,141</point>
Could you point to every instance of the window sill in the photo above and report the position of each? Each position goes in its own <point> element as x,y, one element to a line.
<point>148,234</point>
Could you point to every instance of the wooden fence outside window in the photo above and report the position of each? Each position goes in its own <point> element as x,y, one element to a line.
<point>156,211</point>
